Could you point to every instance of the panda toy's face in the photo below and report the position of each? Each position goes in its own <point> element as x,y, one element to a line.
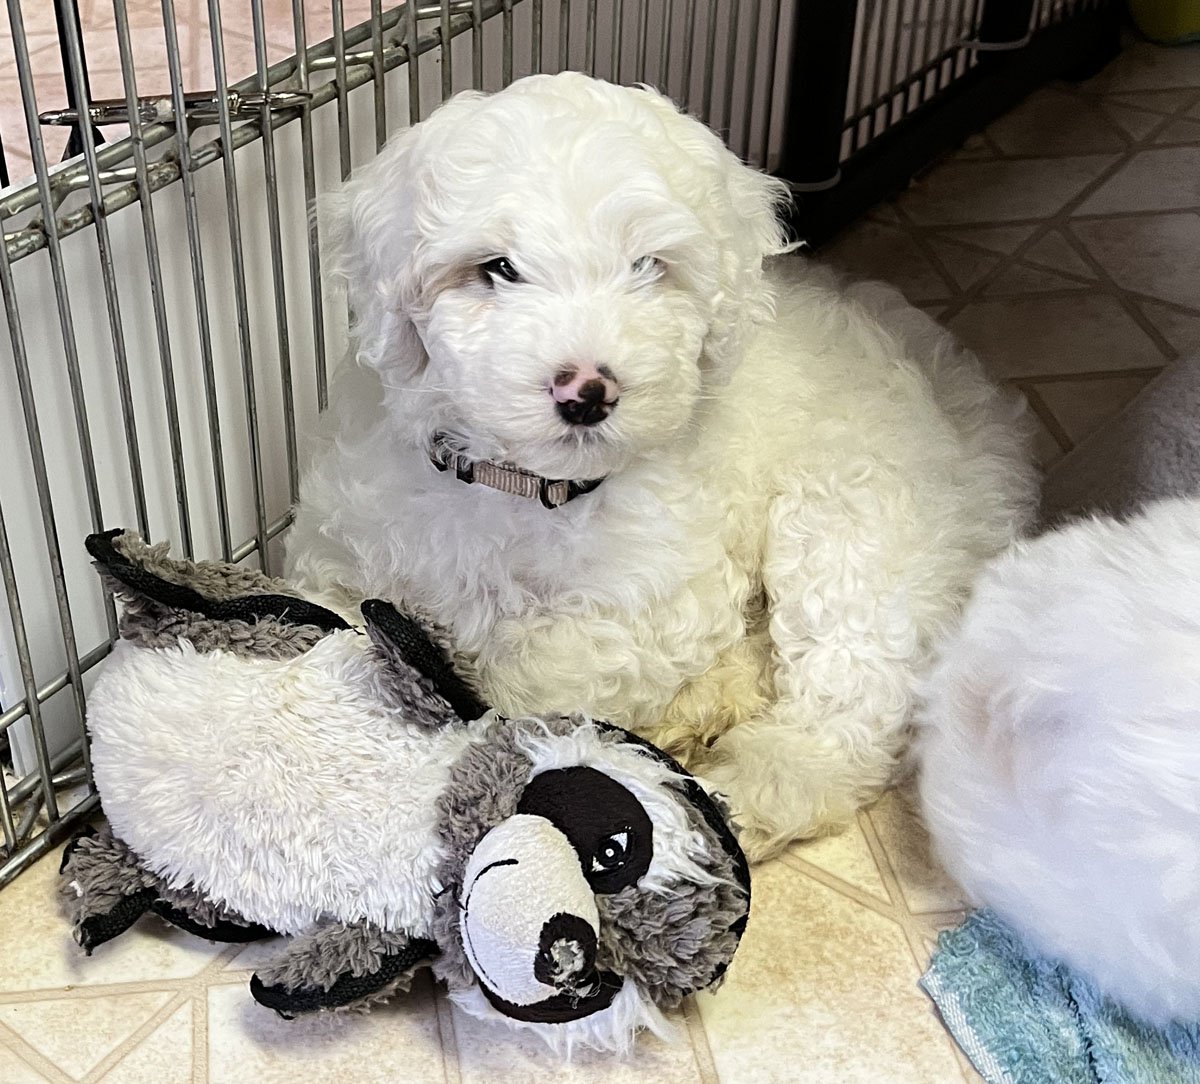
<point>590,881</point>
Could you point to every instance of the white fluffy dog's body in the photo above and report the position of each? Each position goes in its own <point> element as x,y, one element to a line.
<point>1060,752</point>
<point>792,506</point>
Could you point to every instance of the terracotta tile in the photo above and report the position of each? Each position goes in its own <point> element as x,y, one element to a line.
<point>878,251</point>
<point>163,1057</point>
<point>822,990</point>
<point>1161,179</point>
<point>492,1054</point>
<point>14,1071</point>
<point>922,883</point>
<point>846,856</point>
<point>38,953</point>
<point>1157,255</point>
<point>1050,122</point>
<point>396,1041</point>
<point>1033,336</point>
<point>969,192</point>
<point>55,1028</point>
<point>1082,406</point>
<point>1142,66</point>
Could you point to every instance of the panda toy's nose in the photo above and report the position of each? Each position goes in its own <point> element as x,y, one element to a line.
<point>566,957</point>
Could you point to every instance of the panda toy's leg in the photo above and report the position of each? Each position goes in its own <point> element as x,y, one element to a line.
<point>340,967</point>
<point>106,890</point>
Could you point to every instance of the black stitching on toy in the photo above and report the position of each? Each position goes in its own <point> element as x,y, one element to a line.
<point>421,653</point>
<point>348,989</point>
<point>287,609</point>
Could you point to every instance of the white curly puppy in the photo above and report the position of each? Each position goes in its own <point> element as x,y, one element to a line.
<point>756,522</point>
<point>1060,751</point>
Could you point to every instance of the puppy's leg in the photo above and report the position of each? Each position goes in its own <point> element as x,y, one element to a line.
<point>856,579</point>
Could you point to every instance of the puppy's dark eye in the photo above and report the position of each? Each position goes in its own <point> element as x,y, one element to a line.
<point>500,268</point>
<point>611,854</point>
<point>647,265</point>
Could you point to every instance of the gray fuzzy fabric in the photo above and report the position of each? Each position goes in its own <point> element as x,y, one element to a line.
<point>151,624</point>
<point>486,784</point>
<point>404,689</point>
<point>1149,452</point>
<point>213,579</point>
<point>666,943</point>
<point>102,869</point>
<point>100,872</point>
<point>198,908</point>
<point>325,954</point>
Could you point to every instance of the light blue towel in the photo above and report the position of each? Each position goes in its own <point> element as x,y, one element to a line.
<point>1022,1019</point>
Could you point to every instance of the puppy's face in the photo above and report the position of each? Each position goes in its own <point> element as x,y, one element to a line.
<point>554,274</point>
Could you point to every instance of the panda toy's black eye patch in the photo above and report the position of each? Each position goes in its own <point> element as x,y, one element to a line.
<point>604,822</point>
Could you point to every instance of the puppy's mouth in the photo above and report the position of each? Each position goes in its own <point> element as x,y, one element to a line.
<point>593,437</point>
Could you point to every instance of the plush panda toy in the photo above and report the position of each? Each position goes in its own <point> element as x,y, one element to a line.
<point>267,768</point>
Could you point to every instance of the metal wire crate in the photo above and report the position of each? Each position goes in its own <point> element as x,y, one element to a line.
<point>170,335</point>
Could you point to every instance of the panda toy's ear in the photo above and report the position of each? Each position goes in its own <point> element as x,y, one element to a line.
<point>423,681</point>
<point>214,604</point>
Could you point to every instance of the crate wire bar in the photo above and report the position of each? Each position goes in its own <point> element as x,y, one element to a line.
<point>191,338</point>
<point>163,363</point>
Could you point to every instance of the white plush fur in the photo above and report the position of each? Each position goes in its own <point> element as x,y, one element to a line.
<point>1060,752</point>
<point>802,479</point>
<point>613,1029</point>
<point>284,789</point>
<point>290,792</point>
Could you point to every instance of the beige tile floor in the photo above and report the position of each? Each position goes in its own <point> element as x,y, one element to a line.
<point>1063,244</point>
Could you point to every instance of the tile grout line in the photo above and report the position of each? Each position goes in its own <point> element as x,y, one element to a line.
<point>906,920</point>
<point>883,908</point>
<point>200,1037</point>
<point>1046,416</point>
<point>706,1064</point>
<point>135,1038</point>
<point>1062,215</point>
<point>91,991</point>
<point>1123,296</point>
<point>1088,376</point>
<point>903,915</point>
<point>187,992</point>
<point>16,1045</point>
<point>443,1009</point>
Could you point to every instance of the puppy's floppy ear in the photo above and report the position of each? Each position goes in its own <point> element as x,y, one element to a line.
<point>372,237</point>
<point>741,209</point>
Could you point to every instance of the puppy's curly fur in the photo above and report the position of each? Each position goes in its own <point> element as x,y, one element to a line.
<point>1060,752</point>
<point>801,478</point>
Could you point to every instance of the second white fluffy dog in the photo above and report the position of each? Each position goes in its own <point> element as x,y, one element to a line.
<point>780,493</point>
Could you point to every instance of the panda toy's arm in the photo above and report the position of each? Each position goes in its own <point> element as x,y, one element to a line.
<point>336,966</point>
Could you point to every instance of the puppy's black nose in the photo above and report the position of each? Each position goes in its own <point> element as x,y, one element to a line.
<point>566,957</point>
<point>585,394</point>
